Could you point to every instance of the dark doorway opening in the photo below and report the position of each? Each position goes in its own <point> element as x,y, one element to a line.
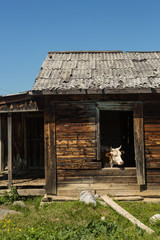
<point>116,128</point>
<point>35,142</point>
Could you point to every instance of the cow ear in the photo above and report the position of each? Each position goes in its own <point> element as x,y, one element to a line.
<point>110,149</point>
<point>122,152</point>
<point>108,154</point>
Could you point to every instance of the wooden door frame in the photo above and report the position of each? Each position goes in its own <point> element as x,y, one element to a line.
<point>50,149</point>
<point>137,109</point>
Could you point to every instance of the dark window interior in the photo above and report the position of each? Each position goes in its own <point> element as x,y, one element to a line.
<point>35,139</point>
<point>116,128</point>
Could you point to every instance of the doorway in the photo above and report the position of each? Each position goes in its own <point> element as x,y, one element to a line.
<point>116,129</point>
<point>35,141</point>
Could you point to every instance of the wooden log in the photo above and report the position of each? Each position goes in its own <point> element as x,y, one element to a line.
<point>138,143</point>
<point>83,165</point>
<point>1,147</point>
<point>75,136</point>
<point>9,121</point>
<point>50,150</point>
<point>98,134</point>
<point>97,179</point>
<point>101,172</point>
<point>126,214</point>
<point>98,186</point>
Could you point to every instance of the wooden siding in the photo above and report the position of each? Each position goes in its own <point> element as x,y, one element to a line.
<point>152,141</point>
<point>75,137</point>
<point>76,152</point>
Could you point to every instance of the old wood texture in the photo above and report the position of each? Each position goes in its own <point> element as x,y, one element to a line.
<point>152,134</point>
<point>50,149</point>
<point>9,151</point>
<point>139,143</point>
<point>98,134</point>
<point>75,136</point>
<point>126,214</point>
<point>1,147</point>
<point>152,142</point>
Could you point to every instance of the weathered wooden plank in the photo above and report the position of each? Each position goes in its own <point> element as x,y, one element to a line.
<point>138,143</point>
<point>80,165</point>
<point>76,159</point>
<point>115,106</point>
<point>75,129</point>
<point>1,147</point>
<point>50,150</point>
<point>9,121</point>
<point>98,134</point>
<point>153,179</point>
<point>153,165</point>
<point>75,106</point>
<point>76,151</point>
<point>66,113</point>
<point>75,143</point>
<point>126,214</point>
<point>75,136</point>
<point>96,186</point>
<point>74,120</point>
<point>101,172</point>
<point>98,179</point>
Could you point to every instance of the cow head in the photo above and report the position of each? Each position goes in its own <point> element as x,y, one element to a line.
<point>115,156</point>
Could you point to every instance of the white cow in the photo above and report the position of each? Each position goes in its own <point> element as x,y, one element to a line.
<point>115,156</point>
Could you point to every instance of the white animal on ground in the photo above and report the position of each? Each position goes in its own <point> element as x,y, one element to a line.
<point>87,197</point>
<point>115,156</point>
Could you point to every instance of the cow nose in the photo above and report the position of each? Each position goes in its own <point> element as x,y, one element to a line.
<point>121,162</point>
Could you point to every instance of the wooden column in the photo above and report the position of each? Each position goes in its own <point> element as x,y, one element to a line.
<point>50,149</point>
<point>98,134</point>
<point>139,143</point>
<point>9,121</point>
<point>1,147</point>
<point>25,139</point>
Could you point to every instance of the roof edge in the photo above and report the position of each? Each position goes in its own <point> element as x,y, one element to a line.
<point>113,51</point>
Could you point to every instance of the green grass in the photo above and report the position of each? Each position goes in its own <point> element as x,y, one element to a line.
<point>75,220</point>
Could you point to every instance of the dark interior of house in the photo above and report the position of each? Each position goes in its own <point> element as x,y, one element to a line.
<point>35,142</point>
<point>116,129</point>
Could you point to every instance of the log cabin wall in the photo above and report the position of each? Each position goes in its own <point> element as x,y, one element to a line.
<point>74,126</point>
<point>75,140</point>
<point>152,142</point>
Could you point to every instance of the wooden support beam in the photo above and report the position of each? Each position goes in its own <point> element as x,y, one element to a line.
<point>50,150</point>
<point>1,147</point>
<point>139,143</point>
<point>25,139</point>
<point>126,214</point>
<point>98,134</point>
<point>9,123</point>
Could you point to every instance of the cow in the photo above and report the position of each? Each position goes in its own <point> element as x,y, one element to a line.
<point>115,156</point>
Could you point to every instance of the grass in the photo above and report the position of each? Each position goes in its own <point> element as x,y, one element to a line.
<point>75,220</point>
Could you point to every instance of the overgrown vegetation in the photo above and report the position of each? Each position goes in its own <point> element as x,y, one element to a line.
<point>11,196</point>
<point>75,220</point>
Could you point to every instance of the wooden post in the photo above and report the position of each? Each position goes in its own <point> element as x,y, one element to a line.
<point>1,148</point>
<point>9,121</point>
<point>50,149</point>
<point>98,134</point>
<point>25,140</point>
<point>139,143</point>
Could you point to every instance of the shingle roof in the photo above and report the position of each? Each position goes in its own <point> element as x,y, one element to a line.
<point>98,71</point>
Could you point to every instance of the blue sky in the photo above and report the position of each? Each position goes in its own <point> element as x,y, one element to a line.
<point>31,28</point>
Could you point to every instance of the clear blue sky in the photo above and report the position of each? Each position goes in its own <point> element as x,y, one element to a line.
<point>31,28</point>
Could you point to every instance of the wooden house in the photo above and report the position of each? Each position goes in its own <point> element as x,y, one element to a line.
<point>80,103</point>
